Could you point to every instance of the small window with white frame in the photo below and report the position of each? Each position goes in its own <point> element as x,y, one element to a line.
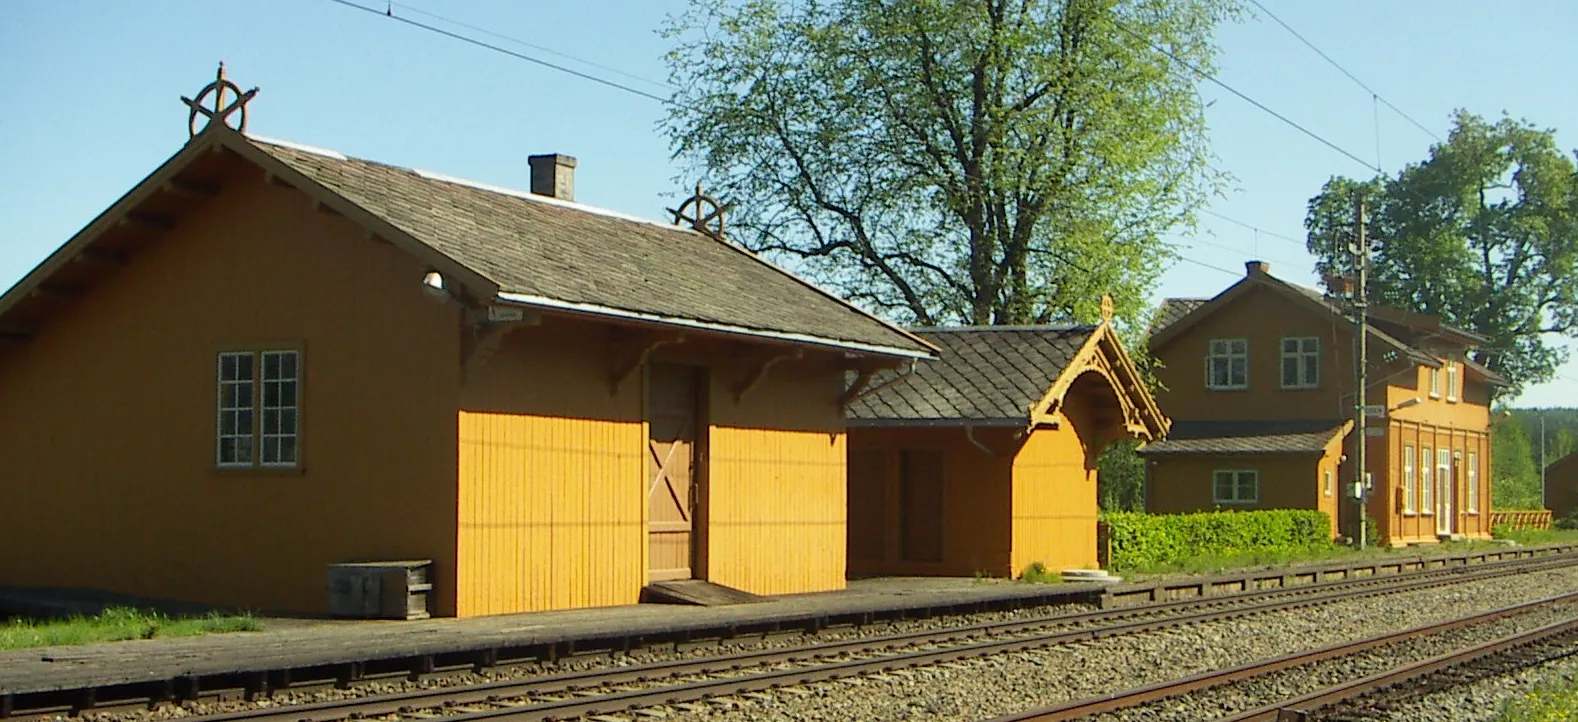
<point>1435,383</point>
<point>1473,482</point>
<point>1227,364</point>
<point>1408,479</point>
<point>259,409</point>
<point>1235,486</point>
<point>1426,485</point>
<point>1300,363</point>
<point>1451,381</point>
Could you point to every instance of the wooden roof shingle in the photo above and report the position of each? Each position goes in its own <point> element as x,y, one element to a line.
<point>986,375</point>
<point>561,254</point>
<point>1246,437</point>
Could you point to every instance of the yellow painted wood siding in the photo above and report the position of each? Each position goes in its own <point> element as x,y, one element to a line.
<point>776,483</point>
<point>107,416</point>
<point>552,502</point>
<point>1054,502</point>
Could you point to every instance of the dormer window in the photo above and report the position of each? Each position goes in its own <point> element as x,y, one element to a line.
<point>1227,364</point>
<point>1300,363</point>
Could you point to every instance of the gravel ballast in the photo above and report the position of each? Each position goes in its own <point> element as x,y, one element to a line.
<point>983,688</point>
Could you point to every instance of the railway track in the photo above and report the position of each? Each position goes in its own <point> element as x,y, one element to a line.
<point>1363,697</point>
<point>748,673</point>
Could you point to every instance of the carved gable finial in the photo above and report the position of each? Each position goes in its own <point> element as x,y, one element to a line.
<point>1106,308</point>
<point>223,106</point>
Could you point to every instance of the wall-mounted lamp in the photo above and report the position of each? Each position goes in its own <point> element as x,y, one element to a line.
<point>433,285</point>
<point>1405,403</point>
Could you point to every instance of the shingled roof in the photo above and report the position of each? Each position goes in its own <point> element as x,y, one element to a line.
<point>549,252</point>
<point>508,247</point>
<point>1172,309</point>
<point>1246,437</point>
<point>987,375</point>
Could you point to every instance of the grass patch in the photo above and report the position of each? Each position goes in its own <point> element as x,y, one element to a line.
<point>1037,573</point>
<point>1546,703</point>
<point>1312,554</point>
<point>1531,537</point>
<point>116,624</point>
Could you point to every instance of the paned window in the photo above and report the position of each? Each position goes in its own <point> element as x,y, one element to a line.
<point>1426,487</point>
<point>1408,479</point>
<point>259,409</point>
<point>1473,482</point>
<point>1435,383</point>
<point>1235,486</point>
<point>1300,363</point>
<point>1451,381</point>
<point>1444,472</point>
<point>1227,364</point>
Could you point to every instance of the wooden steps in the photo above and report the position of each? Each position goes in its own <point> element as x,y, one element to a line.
<point>696,592</point>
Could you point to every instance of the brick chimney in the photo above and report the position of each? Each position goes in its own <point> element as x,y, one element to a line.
<point>553,175</point>
<point>1250,267</point>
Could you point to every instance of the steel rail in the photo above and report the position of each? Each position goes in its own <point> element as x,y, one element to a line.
<point>1138,696</point>
<point>831,660</point>
<point>1307,705</point>
<point>314,671</point>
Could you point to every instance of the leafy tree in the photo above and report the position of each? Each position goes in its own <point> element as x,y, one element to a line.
<point>1120,478</point>
<point>977,161</point>
<point>1484,233</point>
<point>1514,477</point>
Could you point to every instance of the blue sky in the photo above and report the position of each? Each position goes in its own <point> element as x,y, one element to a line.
<point>89,103</point>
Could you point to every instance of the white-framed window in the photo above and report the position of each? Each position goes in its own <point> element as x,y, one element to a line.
<point>1473,482</point>
<point>1235,486</point>
<point>1451,381</point>
<point>1227,364</point>
<point>259,409</point>
<point>1435,383</point>
<point>1408,479</point>
<point>1326,482</point>
<point>1300,363</point>
<point>1444,468</point>
<point>1426,487</point>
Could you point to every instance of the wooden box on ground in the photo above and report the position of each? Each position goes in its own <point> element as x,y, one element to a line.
<point>380,590</point>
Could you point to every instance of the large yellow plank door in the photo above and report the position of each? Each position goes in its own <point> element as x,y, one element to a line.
<point>676,428</point>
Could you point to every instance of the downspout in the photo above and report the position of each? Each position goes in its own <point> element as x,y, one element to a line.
<point>969,433</point>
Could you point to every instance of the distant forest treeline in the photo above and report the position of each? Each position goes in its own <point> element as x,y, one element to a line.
<point>1515,456</point>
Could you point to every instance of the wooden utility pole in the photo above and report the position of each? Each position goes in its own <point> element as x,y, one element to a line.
<point>1361,327</point>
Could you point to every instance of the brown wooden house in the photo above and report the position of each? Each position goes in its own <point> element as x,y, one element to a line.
<point>1259,381</point>
<point>1561,487</point>
<point>985,461</point>
<point>267,358</point>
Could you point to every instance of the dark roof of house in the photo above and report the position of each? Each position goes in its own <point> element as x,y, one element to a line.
<point>1246,437</point>
<point>556,253</point>
<point>1172,309</point>
<point>985,374</point>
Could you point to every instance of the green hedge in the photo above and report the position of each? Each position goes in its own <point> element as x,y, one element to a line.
<point>1150,540</point>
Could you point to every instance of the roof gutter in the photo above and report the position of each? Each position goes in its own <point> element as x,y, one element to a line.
<point>798,338</point>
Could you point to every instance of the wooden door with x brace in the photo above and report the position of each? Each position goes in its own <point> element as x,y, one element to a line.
<point>676,494</point>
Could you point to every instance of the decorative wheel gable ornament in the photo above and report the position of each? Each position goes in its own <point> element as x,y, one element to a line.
<point>223,107</point>
<point>702,212</point>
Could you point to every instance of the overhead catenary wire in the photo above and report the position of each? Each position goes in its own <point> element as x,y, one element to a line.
<point>506,51</point>
<point>524,43</point>
<point>1240,94</point>
<point>1376,96</point>
<point>1252,227</point>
